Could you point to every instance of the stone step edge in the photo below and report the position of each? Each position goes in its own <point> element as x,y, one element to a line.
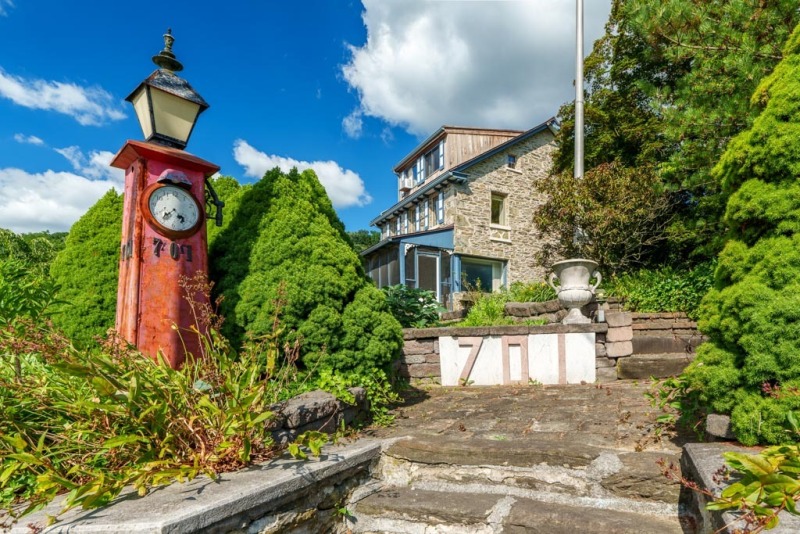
<point>605,476</point>
<point>620,504</point>
<point>232,495</point>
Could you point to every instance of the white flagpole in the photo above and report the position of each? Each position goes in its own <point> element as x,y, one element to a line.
<point>579,91</point>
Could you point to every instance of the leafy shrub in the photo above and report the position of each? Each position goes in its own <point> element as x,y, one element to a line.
<point>751,366</point>
<point>91,423</point>
<point>417,308</point>
<point>531,292</point>
<point>488,309</point>
<point>623,213</point>
<point>663,290</point>
<point>286,234</point>
<point>87,271</point>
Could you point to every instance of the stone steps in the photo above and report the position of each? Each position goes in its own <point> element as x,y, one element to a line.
<point>663,345</point>
<point>571,459</point>
<point>472,509</point>
<point>660,344</point>
<point>542,483</point>
<point>645,366</point>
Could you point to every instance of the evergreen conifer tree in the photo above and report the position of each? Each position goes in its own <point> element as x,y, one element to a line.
<point>751,366</point>
<point>87,270</point>
<point>286,252</point>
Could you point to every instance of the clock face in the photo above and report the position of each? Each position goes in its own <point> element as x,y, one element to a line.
<point>173,210</point>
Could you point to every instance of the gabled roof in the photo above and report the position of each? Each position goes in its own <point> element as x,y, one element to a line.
<point>458,173</point>
<point>439,133</point>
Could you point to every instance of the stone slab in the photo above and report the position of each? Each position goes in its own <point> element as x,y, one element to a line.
<point>414,347</point>
<point>528,516</point>
<point>309,407</point>
<point>615,319</point>
<point>701,462</point>
<point>531,451</point>
<point>198,505</point>
<point>604,375</point>
<point>619,349</point>
<point>666,325</point>
<point>655,344</point>
<point>643,366</point>
<point>640,477</point>
<point>719,426</point>
<point>429,507</point>
<point>619,333</point>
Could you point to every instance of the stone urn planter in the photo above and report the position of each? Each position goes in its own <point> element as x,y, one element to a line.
<point>573,287</point>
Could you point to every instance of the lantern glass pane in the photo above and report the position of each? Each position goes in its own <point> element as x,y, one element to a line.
<point>142,108</point>
<point>174,116</point>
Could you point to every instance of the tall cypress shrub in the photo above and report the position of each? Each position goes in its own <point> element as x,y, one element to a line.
<point>87,270</point>
<point>750,368</point>
<point>287,251</point>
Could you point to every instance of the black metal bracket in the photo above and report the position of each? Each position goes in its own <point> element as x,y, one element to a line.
<point>213,204</point>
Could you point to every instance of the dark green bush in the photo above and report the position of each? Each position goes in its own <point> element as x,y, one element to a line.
<point>87,271</point>
<point>663,290</point>
<point>286,245</point>
<point>417,308</point>
<point>751,366</point>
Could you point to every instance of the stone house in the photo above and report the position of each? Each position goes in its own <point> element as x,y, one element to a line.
<point>464,212</point>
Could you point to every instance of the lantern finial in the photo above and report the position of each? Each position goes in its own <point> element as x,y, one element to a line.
<point>166,58</point>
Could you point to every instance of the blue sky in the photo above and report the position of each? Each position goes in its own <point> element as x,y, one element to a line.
<point>345,87</point>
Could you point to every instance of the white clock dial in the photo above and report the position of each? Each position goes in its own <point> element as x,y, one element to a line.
<point>174,208</point>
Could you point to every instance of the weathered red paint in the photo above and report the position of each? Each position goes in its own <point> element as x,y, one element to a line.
<point>153,312</point>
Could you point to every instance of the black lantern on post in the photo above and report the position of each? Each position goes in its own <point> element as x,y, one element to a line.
<point>166,105</point>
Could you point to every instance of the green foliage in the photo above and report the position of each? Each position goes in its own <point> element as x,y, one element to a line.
<point>87,271</point>
<point>669,85</point>
<point>286,245</point>
<point>380,393</point>
<point>531,292</point>
<point>230,192</point>
<point>663,290</point>
<point>363,239</point>
<point>311,441</point>
<point>767,483</point>
<point>621,124</point>
<point>91,422</point>
<point>623,214</point>
<point>487,309</point>
<point>751,366</point>
<point>413,308</point>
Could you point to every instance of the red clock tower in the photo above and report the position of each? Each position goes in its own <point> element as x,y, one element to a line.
<point>164,219</point>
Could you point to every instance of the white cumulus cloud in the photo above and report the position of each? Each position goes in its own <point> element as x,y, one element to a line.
<point>353,124</point>
<point>345,187</point>
<point>32,202</point>
<point>427,63</point>
<point>28,139</point>
<point>90,106</point>
<point>94,165</point>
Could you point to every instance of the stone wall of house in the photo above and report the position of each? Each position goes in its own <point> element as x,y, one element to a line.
<point>470,207</point>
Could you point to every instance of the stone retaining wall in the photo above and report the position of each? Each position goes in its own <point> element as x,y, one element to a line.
<point>666,323</point>
<point>421,359</point>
